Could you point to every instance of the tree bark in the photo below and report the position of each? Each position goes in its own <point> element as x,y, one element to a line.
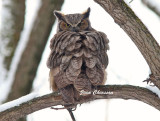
<point>151,7</point>
<point>53,99</point>
<point>136,30</point>
<point>12,33</point>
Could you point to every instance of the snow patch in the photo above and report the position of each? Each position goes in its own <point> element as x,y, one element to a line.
<point>154,89</point>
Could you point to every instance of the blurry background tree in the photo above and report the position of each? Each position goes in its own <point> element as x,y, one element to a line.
<point>12,27</point>
<point>31,56</point>
<point>152,6</point>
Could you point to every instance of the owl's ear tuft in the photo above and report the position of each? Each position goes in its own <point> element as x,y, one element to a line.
<point>86,13</point>
<point>58,14</point>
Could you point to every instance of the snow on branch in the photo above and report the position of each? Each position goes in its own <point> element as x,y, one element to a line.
<point>101,92</point>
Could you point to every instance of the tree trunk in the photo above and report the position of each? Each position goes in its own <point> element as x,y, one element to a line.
<point>31,56</point>
<point>12,28</point>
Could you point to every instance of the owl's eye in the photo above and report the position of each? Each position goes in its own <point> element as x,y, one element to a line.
<point>83,24</point>
<point>67,25</point>
<point>64,26</point>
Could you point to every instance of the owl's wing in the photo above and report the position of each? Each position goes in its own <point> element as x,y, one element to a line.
<point>61,55</point>
<point>58,46</point>
<point>103,55</point>
<point>100,43</point>
<point>55,54</point>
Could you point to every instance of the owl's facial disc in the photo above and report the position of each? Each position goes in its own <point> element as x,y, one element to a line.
<point>73,22</point>
<point>75,27</point>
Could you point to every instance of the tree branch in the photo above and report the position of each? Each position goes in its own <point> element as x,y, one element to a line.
<point>53,99</point>
<point>137,31</point>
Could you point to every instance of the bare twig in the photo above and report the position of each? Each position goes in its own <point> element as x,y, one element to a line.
<point>137,31</point>
<point>71,114</point>
<point>131,1</point>
<point>68,109</point>
<point>151,7</point>
<point>109,92</point>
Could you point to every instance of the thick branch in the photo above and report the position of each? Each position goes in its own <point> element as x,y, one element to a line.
<point>53,99</point>
<point>136,30</point>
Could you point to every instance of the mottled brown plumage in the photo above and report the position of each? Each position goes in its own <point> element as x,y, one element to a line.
<point>78,56</point>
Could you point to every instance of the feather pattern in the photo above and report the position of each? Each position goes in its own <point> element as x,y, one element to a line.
<point>81,58</point>
<point>78,57</point>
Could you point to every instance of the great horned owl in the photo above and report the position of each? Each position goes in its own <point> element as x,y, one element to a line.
<point>78,56</point>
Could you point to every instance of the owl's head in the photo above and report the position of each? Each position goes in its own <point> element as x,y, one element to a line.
<point>73,22</point>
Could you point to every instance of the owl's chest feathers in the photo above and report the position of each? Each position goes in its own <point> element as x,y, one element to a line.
<point>80,49</point>
<point>85,46</point>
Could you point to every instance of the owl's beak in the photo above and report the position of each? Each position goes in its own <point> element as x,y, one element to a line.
<point>74,29</point>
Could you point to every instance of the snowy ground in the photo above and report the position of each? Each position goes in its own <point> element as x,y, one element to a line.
<point>126,66</point>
